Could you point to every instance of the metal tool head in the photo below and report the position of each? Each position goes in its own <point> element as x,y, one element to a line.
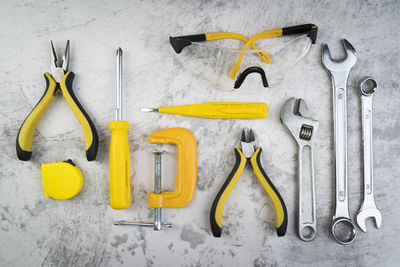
<point>344,64</point>
<point>58,69</point>
<point>343,230</point>
<point>119,102</point>
<point>367,86</point>
<point>369,213</point>
<point>247,142</point>
<point>295,117</point>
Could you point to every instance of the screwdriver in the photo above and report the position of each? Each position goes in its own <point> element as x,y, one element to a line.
<point>120,185</point>
<point>217,110</point>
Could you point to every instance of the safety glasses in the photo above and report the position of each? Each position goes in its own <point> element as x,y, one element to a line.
<point>212,56</point>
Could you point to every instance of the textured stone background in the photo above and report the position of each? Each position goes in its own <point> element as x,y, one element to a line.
<point>39,231</point>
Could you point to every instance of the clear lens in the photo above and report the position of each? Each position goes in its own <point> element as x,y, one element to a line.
<point>213,61</point>
<point>285,57</point>
<point>210,63</point>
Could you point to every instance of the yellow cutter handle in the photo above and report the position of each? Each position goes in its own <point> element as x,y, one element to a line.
<point>279,204</point>
<point>91,137</point>
<point>25,134</point>
<point>120,180</point>
<point>220,110</point>
<point>217,207</point>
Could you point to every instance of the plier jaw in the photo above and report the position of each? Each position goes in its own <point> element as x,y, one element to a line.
<point>247,143</point>
<point>58,70</point>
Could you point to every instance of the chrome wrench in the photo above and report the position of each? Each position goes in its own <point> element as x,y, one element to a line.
<point>342,228</point>
<point>295,117</point>
<point>368,209</point>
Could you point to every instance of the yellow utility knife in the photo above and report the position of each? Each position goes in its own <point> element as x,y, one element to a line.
<point>60,80</point>
<point>217,110</point>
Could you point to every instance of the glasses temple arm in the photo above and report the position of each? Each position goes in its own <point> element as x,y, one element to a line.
<point>180,42</point>
<point>311,29</point>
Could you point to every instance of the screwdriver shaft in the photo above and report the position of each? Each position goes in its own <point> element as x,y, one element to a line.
<point>119,85</point>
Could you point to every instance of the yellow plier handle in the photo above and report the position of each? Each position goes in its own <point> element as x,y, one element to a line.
<point>279,204</point>
<point>91,137</point>
<point>25,134</point>
<point>28,127</point>
<point>217,207</point>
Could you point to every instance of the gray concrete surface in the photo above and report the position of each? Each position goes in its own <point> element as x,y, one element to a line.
<point>79,232</point>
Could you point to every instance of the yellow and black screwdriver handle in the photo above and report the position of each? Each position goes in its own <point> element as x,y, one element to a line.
<point>27,130</point>
<point>219,202</point>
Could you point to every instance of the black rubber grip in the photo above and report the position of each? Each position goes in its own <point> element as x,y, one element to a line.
<point>22,154</point>
<point>91,152</point>
<point>242,76</point>
<point>180,42</point>
<point>311,29</point>
<point>216,230</point>
<point>297,29</point>
<point>281,231</point>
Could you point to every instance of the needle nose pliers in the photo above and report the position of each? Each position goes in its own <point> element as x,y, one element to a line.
<point>247,152</point>
<point>58,80</point>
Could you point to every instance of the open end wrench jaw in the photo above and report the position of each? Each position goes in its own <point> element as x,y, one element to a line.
<point>364,214</point>
<point>343,64</point>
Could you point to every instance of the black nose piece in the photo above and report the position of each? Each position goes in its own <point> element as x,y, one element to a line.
<point>242,76</point>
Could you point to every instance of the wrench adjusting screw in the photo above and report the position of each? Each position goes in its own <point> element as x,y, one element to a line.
<point>306,132</point>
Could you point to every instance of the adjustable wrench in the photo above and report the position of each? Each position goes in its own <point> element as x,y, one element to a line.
<point>368,209</point>
<point>339,72</point>
<point>295,117</point>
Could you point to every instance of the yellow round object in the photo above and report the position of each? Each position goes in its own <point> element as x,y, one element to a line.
<point>61,180</point>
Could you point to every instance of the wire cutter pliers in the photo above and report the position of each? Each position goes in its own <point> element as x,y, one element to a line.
<point>58,80</point>
<point>247,152</point>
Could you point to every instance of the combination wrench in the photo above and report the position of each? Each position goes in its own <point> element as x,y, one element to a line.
<point>368,209</point>
<point>342,228</point>
<point>296,118</point>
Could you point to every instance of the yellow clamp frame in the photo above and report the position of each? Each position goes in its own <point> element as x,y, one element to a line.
<point>186,177</point>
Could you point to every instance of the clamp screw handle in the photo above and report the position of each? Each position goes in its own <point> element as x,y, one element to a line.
<point>158,224</point>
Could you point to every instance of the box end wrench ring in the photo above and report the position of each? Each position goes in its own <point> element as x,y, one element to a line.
<point>368,209</point>
<point>295,117</point>
<point>339,72</point>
